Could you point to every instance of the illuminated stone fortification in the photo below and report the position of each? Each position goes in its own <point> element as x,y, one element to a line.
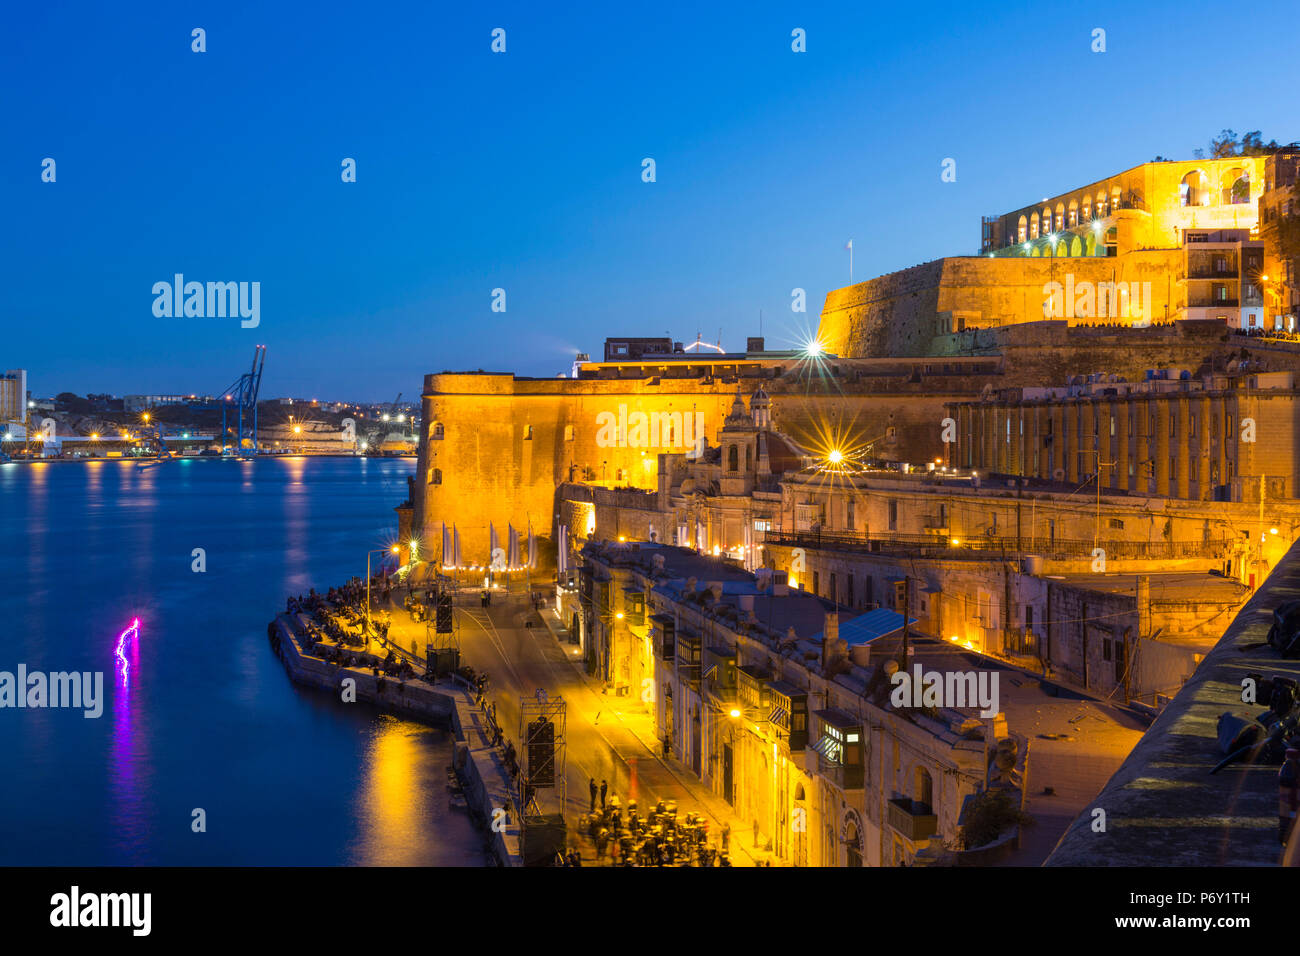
<point>1129,228</point>
<point>496,447</point>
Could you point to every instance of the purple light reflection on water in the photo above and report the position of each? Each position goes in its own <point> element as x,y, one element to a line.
<point>129,819</point>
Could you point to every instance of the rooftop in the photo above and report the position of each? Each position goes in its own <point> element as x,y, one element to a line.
<point>1162,805</point>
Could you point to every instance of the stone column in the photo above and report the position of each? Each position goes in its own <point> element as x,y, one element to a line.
<point>1184,439</point>
<point>1090,437</point>
<point>1041,417</point>
<point>1224,407</point>
<point>1203,448</point>
<point>1059,436</point>
<point>1142,433</point>
<point>1123,454</point>
<point>1162,447</point>
<point>1072,417</point>
<point>1017,412</point>
<point>988,419</point>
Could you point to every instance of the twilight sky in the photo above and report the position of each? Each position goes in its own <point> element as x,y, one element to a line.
<point>523,170</point>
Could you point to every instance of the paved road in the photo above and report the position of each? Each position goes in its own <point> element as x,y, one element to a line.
<point>607,739</point>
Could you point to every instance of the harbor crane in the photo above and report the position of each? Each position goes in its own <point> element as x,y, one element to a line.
<point>243,392</point>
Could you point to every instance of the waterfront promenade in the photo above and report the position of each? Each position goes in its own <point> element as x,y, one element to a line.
<point>608,739</point>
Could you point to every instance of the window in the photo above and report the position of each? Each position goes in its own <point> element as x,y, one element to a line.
<point>762,524</point>
<point>849,514</point>
<point>568,433</point>
<point>435,476</point>
<point>528,433</point>
<point>893,516</point>
<point>435,431</point>
<point>849,585</point>
<point>1116,524</point>
<point>817,584</point>
<point>733,459</point>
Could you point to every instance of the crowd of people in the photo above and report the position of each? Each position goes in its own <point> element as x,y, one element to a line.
<point>658,838</point>
<point>1258,332</point>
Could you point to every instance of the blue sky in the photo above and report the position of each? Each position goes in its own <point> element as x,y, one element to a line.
<point>522,170</point>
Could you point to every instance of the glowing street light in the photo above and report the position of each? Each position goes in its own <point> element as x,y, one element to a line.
<point>835,457</point>
<point>735,712</point>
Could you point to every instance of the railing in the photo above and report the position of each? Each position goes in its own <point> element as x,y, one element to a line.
<point>913,820</point>
<point>980,546</point>
<point>846,778</point>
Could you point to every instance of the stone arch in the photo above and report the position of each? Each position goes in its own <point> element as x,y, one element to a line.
<point>1087,208</point>
<point>1046,226</point>
<point>1116,195</point>
<point>1033,226</point>
<point>851,835</point>
<point>1102,209</point>
<point>1234,186</point>
<point>1194,189</point>
<point>1072,214</point>
<point>1059,221</point>
<point>1023,229</point>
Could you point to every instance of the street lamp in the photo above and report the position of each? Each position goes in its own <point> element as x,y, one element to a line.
<point>394,549</point>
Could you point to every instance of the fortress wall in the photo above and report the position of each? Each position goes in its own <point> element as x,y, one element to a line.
<point>914,312</point>
<point>491,472</point>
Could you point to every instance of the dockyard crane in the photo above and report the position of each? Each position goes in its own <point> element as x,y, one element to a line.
<point>243,392</point>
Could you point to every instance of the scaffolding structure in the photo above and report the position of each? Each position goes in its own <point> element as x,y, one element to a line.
<point>542,779</point>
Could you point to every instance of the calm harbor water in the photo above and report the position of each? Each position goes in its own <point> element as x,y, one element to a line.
<point>201,714</point>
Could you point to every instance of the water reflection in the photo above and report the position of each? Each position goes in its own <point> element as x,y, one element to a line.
<point>126,755</point>
<point>403,797</point>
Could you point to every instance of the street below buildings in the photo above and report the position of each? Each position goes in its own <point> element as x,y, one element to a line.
<point>608,739</point>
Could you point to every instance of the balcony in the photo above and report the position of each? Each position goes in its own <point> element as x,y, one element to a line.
<point>845,778</point>
<point>912,819</point>
<point>688,657</point>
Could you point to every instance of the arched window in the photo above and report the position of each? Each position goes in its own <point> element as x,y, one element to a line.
<point>1033,226</point>
<point>853,842</point>
<point>1023,230</point>
<point>1194,190</point>
<point>1236,186</point>
<point>435,430</point>
<point>1073,219</point>
<point>1103,207</point>
<point>1046,226</point>
<point>733,459</point>
<point>1060,217</point>
<point>1087,208</point>
<point>435,476</point>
